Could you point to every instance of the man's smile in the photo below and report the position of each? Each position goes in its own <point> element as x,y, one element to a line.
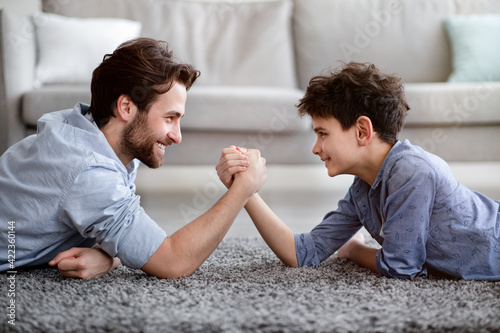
<point>161,146</point>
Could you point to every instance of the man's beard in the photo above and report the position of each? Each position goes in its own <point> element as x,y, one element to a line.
<point>139,142</point>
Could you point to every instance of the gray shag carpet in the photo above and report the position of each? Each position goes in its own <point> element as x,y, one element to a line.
<point>243,287</point>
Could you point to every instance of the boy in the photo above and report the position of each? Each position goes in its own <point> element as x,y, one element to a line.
<point>406,198</point>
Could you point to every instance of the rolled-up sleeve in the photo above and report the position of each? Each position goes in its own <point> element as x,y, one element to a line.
<point>408,210</point>
<point>327,237</point>
<point>101,204</point>
<point>306,250</point>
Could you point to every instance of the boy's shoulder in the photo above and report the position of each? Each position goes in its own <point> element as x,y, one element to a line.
<point>405,153</point>
<point>407,160</point>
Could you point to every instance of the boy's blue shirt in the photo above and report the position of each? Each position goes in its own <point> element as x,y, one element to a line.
<point>420,215</point>
<point>65,187</point>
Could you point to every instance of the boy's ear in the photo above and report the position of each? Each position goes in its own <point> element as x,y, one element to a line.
<point>364,130</point>
<point>125,108</point>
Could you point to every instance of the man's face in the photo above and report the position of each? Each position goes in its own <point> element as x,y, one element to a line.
<point>336,147</point>
<point>147,136</point>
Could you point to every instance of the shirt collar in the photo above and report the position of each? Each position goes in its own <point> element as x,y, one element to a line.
<point>383,169</point>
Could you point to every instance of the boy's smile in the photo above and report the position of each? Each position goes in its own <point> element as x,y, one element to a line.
<point>335,146</point>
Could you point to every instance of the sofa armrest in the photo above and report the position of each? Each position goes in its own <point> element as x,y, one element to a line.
<point>17,68</point>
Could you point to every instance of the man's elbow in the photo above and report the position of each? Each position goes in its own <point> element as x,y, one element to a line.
<point>168,263</point>
<point>170,275</point>
<point>175,272</point>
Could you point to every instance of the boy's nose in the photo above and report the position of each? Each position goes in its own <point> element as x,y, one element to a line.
<point>316,150</point>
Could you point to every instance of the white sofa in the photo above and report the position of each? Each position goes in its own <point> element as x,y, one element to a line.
<point>256,58</point>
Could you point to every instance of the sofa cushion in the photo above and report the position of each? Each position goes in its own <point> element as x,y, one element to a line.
<point>244,109</point>
<point>231,43</point>
<point>69,49</point>
<point>459,143</point>
<point>227,109</point>
<point>475,41</point>
<point>17,64</point>
<point>444,104</point>
<point>395,35</point>
<point>199,147</point>
<point>51,98</point>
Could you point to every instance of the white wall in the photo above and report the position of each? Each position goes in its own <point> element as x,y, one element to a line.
<point>21,7</point>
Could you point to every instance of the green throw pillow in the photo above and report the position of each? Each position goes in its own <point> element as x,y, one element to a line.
<point>475,42</point>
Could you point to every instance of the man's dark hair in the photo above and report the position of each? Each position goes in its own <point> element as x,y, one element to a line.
<point>358,90</point>
<point>142,69</point>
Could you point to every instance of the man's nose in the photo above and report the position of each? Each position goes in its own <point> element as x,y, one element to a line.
<point>175,135</point>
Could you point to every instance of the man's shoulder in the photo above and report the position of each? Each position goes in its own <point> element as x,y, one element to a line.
<point>76,117</point>
<point>71,137</point>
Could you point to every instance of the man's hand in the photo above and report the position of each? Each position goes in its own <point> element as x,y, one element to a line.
<point>255,174</point>
<point>84,263</point>
<point>235,160</point>
<point>232,161</point>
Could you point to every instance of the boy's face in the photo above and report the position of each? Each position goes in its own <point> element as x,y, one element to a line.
<point>147,136</point>
<point>336,147</point>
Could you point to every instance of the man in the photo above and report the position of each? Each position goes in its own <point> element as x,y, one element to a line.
<point>67,194</point>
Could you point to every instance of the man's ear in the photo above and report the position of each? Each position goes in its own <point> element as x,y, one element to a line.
<point>364,130</point>
<point>125,108</point>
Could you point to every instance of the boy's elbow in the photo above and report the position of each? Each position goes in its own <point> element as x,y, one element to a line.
<point>290,261</point>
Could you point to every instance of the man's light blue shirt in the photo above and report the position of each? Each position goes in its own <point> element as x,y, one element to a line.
<point>420,215</point>
<point>65,187</point>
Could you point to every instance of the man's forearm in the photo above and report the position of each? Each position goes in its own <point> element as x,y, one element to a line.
<point>277,235</point>
<point>183,252</point>
<point>200,237</point>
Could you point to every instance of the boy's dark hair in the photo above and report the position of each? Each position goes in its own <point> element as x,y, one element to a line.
<point>142,69</point>
<point>358,90</point>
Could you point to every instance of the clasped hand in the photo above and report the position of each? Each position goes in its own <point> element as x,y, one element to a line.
<point>240,164</point>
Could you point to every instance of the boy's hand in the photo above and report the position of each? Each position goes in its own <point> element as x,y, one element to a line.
<point>345,251</point>
<point>356,250</point>
<point>84,263</point>
<point>232,161</point>
<point>255,174</point>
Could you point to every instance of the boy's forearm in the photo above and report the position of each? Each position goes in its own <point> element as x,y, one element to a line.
<point>277,235</point>
<point>364,255</point>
